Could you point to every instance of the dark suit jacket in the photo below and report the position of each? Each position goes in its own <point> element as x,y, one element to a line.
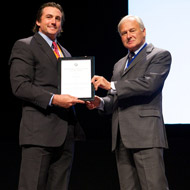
<point>137,106</point>
<point>34,78</point>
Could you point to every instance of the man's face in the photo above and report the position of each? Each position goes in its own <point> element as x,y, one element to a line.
<point>50,22</point>
<point>131,35</point>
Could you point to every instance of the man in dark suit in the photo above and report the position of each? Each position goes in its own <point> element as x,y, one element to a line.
<point>48,126</point>
<point>135,101</point>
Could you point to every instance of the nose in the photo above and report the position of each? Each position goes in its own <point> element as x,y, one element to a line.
<point>53,20</point>
<point>129,35</point>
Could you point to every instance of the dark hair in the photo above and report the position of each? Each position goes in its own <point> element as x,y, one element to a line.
<point>39,14</point>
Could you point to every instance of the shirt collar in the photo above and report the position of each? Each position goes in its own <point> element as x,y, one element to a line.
<point>47,39</point>
<point>137,51</point>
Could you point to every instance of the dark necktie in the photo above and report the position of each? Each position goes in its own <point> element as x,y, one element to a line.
<point>130,56</point>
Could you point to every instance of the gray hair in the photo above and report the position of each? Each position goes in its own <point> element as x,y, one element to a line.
<point>138,19</point>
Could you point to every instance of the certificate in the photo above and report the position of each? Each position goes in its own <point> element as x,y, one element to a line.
<point>75,74</point>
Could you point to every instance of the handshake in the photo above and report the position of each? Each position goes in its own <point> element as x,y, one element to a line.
<point>67,101</point>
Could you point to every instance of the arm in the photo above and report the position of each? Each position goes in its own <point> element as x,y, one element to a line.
<point>65,100</point>
<point>103,104</point>
<point>22,73</point>
<point>101,82</point>
<point>22,77</point>
<point>144,85</point>
<point>150,81</point>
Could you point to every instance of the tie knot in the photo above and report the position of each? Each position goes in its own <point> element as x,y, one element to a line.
<point>54,45</point>
<point>131,54</point>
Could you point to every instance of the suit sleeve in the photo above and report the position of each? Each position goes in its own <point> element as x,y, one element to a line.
<point>151,81</point>
<point>22,73</point>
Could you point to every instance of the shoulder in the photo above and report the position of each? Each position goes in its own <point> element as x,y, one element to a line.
<point>30,41</point>
<point>158,55</point>
<point>26,40</point>
<point>23,41</point>
<point>120,61</point>
<point>155,54</point>
<point>29,44</point>
<point>22,44</point>
<point>21,49</point>
<point>157,51</point>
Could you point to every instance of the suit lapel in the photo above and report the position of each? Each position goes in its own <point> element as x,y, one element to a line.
<point>46,48</point>
<point>62,49</point>
<point>138,58</point>
<point>123,65</point>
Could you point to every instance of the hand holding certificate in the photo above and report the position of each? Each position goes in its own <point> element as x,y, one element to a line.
<point>75,76</point>
<point>65,101</point>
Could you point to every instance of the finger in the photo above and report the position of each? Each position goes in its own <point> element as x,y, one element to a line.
<point>97,84</point>
<point>95,87</point>
<point>80,101</point>
<point>95,77</point>
<point>88,104</point>
<point>90,107</point>
<point>94,84</point>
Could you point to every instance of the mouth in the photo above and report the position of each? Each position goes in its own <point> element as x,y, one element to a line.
<point>52,28</point>
<point>130,42</point>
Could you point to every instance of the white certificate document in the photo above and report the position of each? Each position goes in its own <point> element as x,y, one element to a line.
<point>75,76</point>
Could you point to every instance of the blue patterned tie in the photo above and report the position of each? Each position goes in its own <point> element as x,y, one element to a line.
<point>130,56</point>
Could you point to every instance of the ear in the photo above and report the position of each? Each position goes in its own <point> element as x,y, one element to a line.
<point>38,23</point>
<point>144,31</point>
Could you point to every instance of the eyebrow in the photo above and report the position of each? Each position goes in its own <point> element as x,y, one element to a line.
<point>50,15</point>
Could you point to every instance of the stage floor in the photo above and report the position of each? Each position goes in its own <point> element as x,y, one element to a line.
<point>94,166</point>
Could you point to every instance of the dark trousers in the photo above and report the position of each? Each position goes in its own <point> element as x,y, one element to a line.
<point>141,169</point>
<point>46,168</point>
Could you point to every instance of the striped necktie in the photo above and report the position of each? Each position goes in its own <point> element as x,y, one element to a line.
<point>130,57</point>
<point>56,50</point>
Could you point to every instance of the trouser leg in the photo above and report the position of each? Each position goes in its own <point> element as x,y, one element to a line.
<point>46,168</point>
<point>34,168</point>
<point>60,168</point>
<point>127,172</point>
<point>141,169</point>
<point>150,168</point>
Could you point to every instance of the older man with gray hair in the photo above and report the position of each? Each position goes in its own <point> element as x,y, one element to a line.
<point>135,101</point>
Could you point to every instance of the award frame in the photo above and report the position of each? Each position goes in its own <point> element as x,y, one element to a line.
<point>74,77</point>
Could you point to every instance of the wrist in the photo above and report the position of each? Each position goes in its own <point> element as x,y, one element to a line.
<point>54,100</point>
<point>109,86</point>
<point>113,85</point>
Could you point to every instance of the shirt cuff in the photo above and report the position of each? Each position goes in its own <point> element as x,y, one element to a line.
<point>101,106</point>
<point>113,86</point>
<point>113,89</point>
<point>50,102</point>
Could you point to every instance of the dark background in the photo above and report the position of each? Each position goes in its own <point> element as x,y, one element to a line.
<point>90,29</point>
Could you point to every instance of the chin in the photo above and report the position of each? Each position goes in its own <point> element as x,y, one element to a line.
<point>51,36</point>
<point>130,48</point>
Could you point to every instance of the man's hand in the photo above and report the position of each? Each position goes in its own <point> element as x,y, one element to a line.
<point>93,104</point>
<point>99,81</point>
<point>65,100</point>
